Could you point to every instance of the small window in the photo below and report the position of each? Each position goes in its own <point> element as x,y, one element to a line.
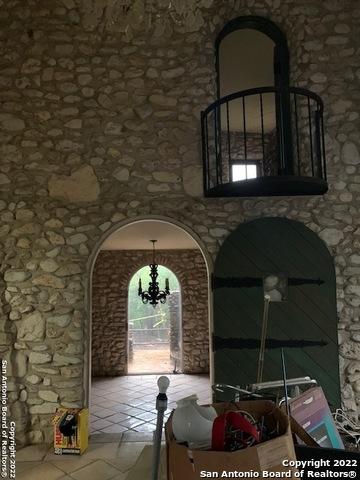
<point>244,171</point>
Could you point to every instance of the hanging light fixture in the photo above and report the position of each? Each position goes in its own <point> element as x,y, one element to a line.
<point>154,295</point>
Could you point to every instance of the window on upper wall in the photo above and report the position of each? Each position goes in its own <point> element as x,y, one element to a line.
<point>244,171</point>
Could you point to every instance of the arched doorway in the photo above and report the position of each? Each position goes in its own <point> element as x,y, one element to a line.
<point>116,408</point>
<point>154,333</point>
<point>288,261</point>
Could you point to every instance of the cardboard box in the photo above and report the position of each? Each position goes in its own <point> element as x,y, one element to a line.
<point>78,443</point>
<point>186,464</point>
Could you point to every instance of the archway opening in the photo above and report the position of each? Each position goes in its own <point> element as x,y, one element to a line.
<point>122,401</point>
<point>154,333</point>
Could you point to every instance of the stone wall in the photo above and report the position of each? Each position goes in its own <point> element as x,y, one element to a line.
<point>264,157</point>
<point>176,330</point>
<point>99,126</point>
<point>112,273</point>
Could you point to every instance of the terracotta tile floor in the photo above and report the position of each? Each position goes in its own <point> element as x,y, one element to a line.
<point>127,403</point>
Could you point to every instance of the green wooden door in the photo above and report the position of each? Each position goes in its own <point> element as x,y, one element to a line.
<point>305,324</point>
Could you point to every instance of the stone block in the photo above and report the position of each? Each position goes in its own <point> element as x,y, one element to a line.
<point>32,328</point>
<point>39,358</point>
<point>81,186</point>
<point>44,408</point>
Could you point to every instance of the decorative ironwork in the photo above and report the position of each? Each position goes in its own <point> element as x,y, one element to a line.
<point>271,343</point>
<point>154,295</point>
<point>300,170</point>
<point>249,282</point>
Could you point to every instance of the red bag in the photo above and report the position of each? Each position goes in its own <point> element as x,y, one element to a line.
<point>232,431</point>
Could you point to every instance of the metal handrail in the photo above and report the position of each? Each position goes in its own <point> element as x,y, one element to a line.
<point>218,387</point>
<point>257,91</point>
<point>298,146</point>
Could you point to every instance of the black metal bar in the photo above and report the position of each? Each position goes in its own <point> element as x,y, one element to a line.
<point>254,91</point>
<point>254,343</point>
<point>204,150</point>
<point>317,143</point>
<point>233,96</point>
<point>216,147</point>
<point>262,128</point>
<point>308,93</point>
<point>249,282</point>
<point>297,133</point>
<point>310,131</point>
<point>305,281</point>
<point>229,147</point>
<point>236,282</point>
<point>220,154</point>
<point>279,133</point>
<point>244,125</point>
<point>207,152</point>
<point>214,174</point>
<point>323,145</point>
<point>286,131</point>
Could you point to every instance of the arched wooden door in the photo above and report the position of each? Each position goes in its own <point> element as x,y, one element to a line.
<point>305,323</point>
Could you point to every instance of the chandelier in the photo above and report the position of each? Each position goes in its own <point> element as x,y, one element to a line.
<point>154,295</point>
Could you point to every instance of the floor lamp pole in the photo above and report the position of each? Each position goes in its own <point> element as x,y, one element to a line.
<point>161,407</point>
<point>263,339</point>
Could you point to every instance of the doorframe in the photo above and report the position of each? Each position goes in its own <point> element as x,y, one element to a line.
<point>180,318</point>
<point>88,290</point>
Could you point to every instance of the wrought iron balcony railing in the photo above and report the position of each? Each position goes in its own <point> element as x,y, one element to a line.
<point>264,141</point>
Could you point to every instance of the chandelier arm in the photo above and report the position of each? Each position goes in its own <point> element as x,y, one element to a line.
<point>146,295</point>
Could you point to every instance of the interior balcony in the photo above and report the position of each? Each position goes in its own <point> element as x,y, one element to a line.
<point>264,141</point>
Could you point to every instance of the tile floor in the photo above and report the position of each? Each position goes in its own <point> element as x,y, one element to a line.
<point>109,457</point>
<point>123,418</point>
<point>127,403</point>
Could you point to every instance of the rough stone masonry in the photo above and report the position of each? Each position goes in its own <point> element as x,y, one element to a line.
<point>112,273</point>
<point>101,125</point>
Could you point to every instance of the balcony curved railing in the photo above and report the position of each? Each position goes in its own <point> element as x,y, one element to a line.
<point>264,141</point>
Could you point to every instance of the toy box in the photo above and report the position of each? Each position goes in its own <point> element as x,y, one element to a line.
<point>71,430</point>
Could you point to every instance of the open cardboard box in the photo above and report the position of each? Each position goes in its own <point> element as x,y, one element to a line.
<point>186,464</point>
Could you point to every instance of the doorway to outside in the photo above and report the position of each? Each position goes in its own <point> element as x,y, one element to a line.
<point>123,402</point>
<point>154,333</point>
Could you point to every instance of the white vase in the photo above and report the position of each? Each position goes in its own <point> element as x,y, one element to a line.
<point>192,423</point>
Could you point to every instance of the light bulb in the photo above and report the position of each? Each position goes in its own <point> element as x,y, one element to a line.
<point>163,383</point>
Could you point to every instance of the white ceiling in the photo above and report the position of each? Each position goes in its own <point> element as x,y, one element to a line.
<point>137,236</point>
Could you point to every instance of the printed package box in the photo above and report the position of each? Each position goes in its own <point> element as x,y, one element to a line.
<point>312,412</point>
<point>74,422</point>
<point>257,461</point>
